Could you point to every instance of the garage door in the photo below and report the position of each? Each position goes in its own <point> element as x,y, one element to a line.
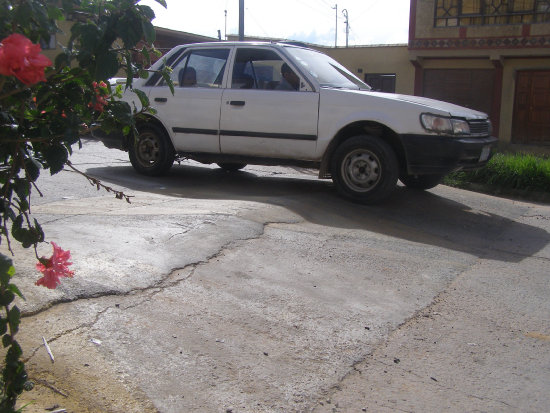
<point>472,88</point>
<point>531,123</point>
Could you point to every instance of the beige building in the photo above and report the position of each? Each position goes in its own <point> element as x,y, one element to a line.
<point>489,55</point>
<point>384,67</point>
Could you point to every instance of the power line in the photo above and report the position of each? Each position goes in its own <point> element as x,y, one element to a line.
<point>257,22</point>
<point>316,9</point>
<point>368,8</point>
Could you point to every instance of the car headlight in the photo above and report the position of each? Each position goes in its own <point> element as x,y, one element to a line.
<point>443,125</point>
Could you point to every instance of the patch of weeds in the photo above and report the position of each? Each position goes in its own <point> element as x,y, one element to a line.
<point>504,172</point>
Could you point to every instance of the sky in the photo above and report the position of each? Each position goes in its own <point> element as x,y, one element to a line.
<point>311,21</point>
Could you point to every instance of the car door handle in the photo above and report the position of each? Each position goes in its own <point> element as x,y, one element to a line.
<point>237,102</point>
<point>161,100</point>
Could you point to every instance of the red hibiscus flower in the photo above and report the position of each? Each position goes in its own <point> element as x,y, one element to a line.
<point>55,267</point>
<point>21,58</point>
<point>101,96</point>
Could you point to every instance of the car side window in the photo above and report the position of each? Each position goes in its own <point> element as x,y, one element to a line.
<point>199,68</point>
<point>262,69</point>
<point>156,79</point>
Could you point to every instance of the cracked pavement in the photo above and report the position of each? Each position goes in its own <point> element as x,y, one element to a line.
<point>263,291</point>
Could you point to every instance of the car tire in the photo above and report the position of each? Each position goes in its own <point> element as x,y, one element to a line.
<point>421,182</point>
<point>231,166</point>
<point>151,153</point>
<point>365,169</point>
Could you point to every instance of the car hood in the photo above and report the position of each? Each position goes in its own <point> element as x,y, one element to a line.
<point>431,105</point>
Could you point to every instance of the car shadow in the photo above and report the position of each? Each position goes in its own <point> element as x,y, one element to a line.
<point>417,216</point>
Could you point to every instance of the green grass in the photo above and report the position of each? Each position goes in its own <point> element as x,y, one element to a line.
<point>504,172</point>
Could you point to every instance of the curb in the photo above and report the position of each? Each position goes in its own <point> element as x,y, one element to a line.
<point>516,194</point>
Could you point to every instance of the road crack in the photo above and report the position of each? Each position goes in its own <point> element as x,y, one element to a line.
<point>428,311</point>
<point>173,279</point>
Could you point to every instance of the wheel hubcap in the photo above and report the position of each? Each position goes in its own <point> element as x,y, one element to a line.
<point>148,150</point>
<point>361,170</point>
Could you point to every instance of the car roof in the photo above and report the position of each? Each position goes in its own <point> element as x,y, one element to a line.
<point>244,43</point>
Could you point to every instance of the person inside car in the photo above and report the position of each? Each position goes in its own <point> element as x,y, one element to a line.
<point>290,80</point>
<point>189,77</point>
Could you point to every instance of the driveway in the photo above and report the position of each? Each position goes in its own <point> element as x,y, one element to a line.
<point>263,291</point>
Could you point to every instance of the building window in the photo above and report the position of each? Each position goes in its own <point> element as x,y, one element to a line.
<point>452,13</point>
<point>48,44</point>
<point>381,82</point>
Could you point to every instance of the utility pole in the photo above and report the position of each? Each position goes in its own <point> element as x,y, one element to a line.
<point>345,13</point>
<point>241,20</point>
<point>225,28</point>
<point>336,27</point>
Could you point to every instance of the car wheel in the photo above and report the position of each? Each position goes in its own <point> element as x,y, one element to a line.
<point>365,169</point>
<point>151,153</point>
<point>420,181</point>
<point>231,166</point>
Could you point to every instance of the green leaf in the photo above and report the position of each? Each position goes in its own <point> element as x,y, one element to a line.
<point>89,35</point>
<point>148,31</point>
<point>166,76</point>
<point>6,297</point>
<point>3,326</point>
<point>62,60</point>
<point>22,189</point>
<point>26,236</point>
<point>121,111</point>
<point>162,3</point>
<point>14,289</point>
<point>131,30</point>
<point>145,53</point>
<point>7,270</point>
<point>32,166</point>
<point>144,74</point>
<point>56,156</point>
<point>106,66</point>
<point>6,340</point>
<point>14,352</point>
<point>55,13</point>
<point>39,231</point>
<point>14,318</point>
<point>142,97</point>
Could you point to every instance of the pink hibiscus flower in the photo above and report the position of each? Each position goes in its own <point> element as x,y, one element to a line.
<point>54,268</point>
<point>21,58</point>
<point>101,96</point>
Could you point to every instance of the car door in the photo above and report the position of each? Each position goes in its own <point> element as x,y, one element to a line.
<point>192,114</point>
<point>262,114</point>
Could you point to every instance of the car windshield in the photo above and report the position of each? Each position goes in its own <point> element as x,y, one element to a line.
<point>327,71</point>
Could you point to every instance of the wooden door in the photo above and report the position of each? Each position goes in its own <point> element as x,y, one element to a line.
<point>531,121</point>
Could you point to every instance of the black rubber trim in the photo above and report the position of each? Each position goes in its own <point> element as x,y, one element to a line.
<point>291,136</point>
<point>246,134</point>
<point>195,131</point>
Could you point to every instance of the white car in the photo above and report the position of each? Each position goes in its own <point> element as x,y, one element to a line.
<point>238,103</point>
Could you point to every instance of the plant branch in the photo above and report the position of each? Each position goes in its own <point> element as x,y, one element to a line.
<point>97,183</point>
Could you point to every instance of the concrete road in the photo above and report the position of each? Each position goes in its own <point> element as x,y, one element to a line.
<point>263,291</point>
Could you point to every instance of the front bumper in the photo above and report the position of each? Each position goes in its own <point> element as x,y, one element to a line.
<point>433,154</point>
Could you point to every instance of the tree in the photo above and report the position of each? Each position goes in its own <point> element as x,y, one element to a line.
<point>45,108</point>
